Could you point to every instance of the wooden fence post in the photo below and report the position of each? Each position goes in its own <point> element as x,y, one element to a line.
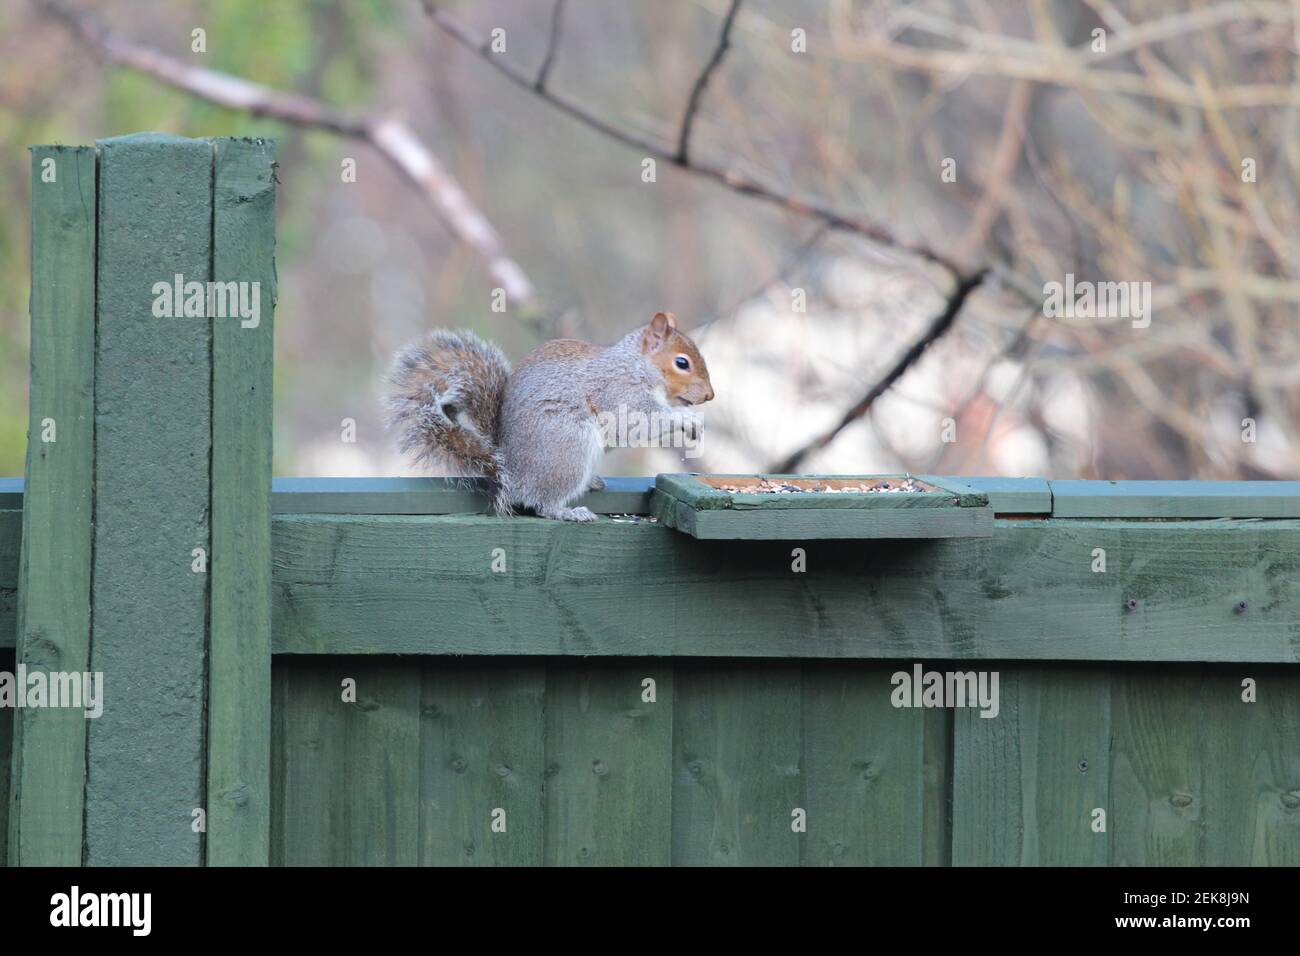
<point>153,446</point>
<point>146,544</point>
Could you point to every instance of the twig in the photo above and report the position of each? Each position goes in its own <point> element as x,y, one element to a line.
<point>1006,156</point>
<point>792,261</point>
<point>697,91</point>
<point>393,139</point>
<point>552,46</point>
<point>937,329</point>
<point>735,181</point>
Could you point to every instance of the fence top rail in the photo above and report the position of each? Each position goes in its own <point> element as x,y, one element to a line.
<point>1068,498</point>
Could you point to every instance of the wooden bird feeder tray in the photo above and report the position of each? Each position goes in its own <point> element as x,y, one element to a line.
<point>797,507</point>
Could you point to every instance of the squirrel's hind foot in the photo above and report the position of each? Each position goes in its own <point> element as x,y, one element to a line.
<point>568,514</point>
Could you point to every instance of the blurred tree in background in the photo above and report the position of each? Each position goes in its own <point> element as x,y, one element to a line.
<point>1108,140</point>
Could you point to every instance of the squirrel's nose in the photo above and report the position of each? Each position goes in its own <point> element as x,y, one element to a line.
<point>709,397</point>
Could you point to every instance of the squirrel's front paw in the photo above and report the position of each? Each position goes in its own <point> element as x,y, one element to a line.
<point>570,514</point>
<point>692,427</point>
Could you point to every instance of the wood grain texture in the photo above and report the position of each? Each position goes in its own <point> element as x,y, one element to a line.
<point>701,496</point>
<point>865,769</point>
<point>410,772</point>
<point>11,537</point>
<point>608,774</point>
<point>1188,774</point>
<point>689,505</point>
<point>381,800</point>
<point>1175,499</point>
<point>145,755</point>
<point>639,589</point>
<point>53,619</point>
<point>6,756</point>
<point>433,496</point>
<point>737,756</point>
<point>1015,496</point>
<point>1025,782</point>
<point>239,644</point>
<point>1201,777</point>
<point>816,524</point>
<point>308,780</point>
<point>482,752</point>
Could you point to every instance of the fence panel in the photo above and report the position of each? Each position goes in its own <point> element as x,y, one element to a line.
<point>456,688</point>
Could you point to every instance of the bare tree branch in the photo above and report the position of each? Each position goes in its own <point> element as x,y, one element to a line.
<point>937,329</point>
<point>701,82</point>
<point>552,45</point>
<point>393,139</point>
<point>735,181</point>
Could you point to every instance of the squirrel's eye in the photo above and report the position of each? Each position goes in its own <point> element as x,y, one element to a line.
<point>683,362</point>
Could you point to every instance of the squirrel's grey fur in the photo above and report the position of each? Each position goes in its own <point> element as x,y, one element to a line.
<point>533,433</point>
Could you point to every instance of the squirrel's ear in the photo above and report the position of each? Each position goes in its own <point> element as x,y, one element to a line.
<point>657,332</point>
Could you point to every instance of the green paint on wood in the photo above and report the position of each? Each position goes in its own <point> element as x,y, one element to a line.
<point>432,496</point>
<point>608,765</point>
<point>6,751</point>
<point>346,779</point>
<point>11,494</point>
<point>864,768</point>
<point>152,445</point>
<point>382,767</point>
<point>1175,499</point>
<point>239,668</point>
<point>691,506</point>
<point>1201,777</point>
<point>700,496</point>
<point>936,828</point>
<point>1185,771</point>
<point>482,747</point>
<point>639,589</point>
<point>1010,496</point>
<point>1026,782</point>
<point>309,775</point>
<point>814,524</point>
<point>737,779</point>
<point>53,626</point>
<point>11,536</point>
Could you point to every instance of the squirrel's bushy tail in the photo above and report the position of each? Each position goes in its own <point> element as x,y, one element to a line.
<point>445,404</point>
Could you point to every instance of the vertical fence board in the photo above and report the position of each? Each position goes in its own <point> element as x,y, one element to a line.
<point>1251,767</point>
<point>145,759</point>
<point>1158,802</point>
<point>936,828</point>
<point>53,627</point>
<point>11,533</point>
<point>309,781</point>
<point>864,766</point>
<point>608,769</point>
<point>382,764</point>
<point>737,738</point>
<point>6,748</point>
<point>1201,777</point>
<point>1025,783</point>
<point>239,669</point>
<point>482,736</point>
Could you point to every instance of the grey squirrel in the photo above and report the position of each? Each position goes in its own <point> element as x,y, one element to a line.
<point>534,432</point>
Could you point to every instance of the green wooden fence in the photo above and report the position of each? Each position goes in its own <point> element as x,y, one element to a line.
<point>373,671</point>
